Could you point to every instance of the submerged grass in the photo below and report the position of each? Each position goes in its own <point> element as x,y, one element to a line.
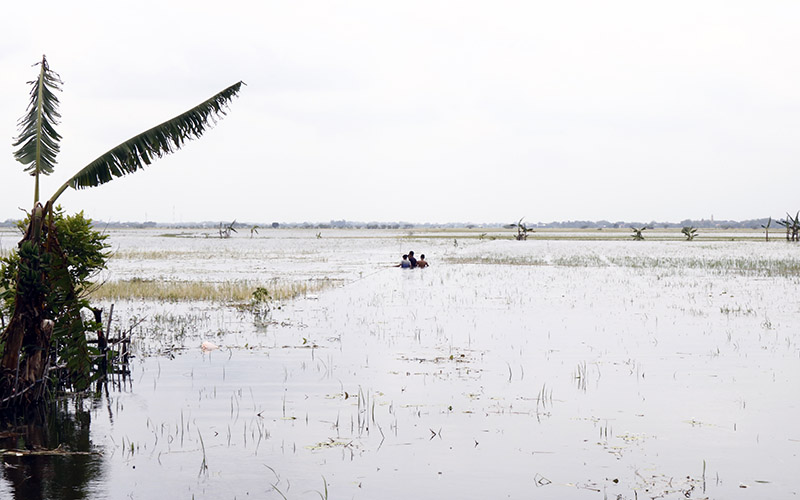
<point>146,254</point>
<point>744,266</point>
<point>228,291</point>
<point>729,265</point>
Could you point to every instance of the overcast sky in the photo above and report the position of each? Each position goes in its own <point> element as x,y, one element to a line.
<point>469,111</point>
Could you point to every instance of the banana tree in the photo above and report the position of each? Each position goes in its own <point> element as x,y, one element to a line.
<point>766,227</point>
<point>690,232</point>
<point>637,233</point>
<point>522,230</point>
<point>41,272</point>
<point>225,230</point>
<point>792,225</point>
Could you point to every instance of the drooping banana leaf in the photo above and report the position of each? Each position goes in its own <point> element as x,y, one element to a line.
<point>141,150</point>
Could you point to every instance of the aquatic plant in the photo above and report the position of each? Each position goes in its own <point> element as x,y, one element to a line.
<point>734,266</point>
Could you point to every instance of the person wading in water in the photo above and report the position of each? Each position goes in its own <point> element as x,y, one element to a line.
<point>405,263</point>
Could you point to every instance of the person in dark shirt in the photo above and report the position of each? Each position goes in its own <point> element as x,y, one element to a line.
<point>412,259</point>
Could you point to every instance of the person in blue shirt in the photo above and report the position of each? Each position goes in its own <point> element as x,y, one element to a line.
<point>405,263</point>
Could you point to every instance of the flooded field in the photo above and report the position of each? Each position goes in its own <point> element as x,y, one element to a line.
<point>568,367</point>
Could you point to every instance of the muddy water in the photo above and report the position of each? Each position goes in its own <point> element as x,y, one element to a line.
<point>576,378</point>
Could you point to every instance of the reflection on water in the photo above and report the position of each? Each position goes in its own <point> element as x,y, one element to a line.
<point>45,464</point>
<point>48,452</point>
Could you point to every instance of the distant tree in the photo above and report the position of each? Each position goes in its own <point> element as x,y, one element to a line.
<point>225,231</point>
<point>766,228</point>
<point>792,225</point>
<point>689,232</point>
<point>637,233</point>
<point>522,230</point>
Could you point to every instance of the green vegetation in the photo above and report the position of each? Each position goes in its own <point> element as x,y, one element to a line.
<point>225,292</point>
<point>522,230</point>
<point>792,225</point>
<point>689,232</point>
<point>766,228</point>
<point>637,234</point>
<point>44,284</point>
<point>788,267</point>
<point>59,271</point>
<point>225,231</point>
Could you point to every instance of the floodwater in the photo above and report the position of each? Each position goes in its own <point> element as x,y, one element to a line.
<point>551,369</point>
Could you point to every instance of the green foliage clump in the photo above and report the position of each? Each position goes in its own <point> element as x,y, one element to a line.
<point>261,296</point>
<point>84,248</point>
<point>63,277</point>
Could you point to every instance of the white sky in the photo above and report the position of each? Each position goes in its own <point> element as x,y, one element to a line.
<point>420,110</point>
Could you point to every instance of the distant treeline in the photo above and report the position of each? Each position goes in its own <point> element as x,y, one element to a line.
<point>345,224</point>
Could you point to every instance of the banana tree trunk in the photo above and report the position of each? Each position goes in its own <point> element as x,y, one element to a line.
<point>26,340</point>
